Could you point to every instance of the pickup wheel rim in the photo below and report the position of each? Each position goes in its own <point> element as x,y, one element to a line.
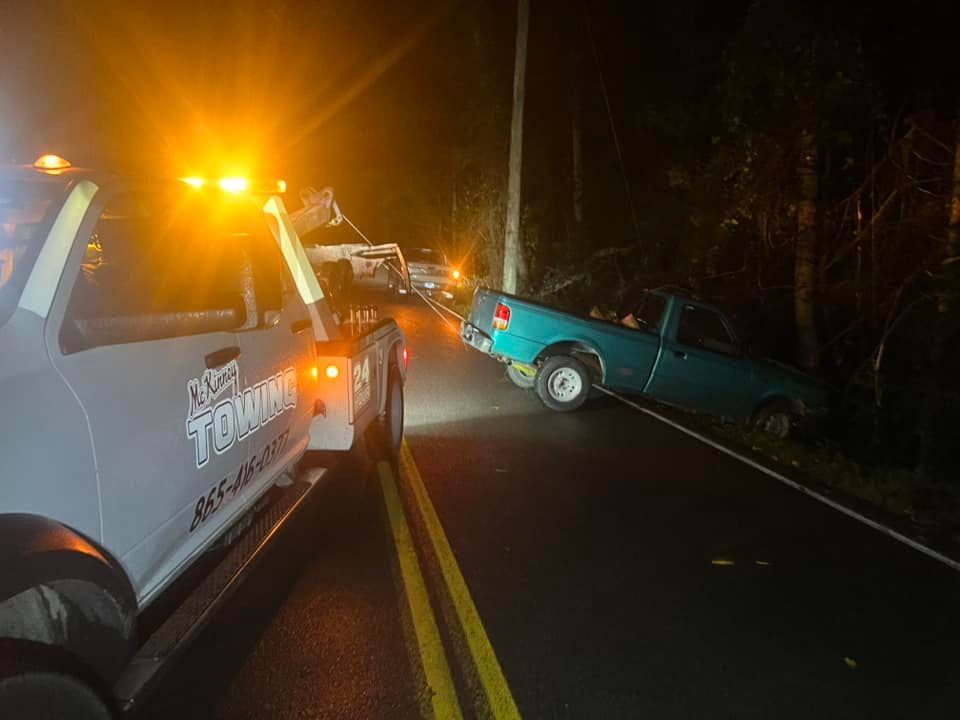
<point>564,384</point>
<point>777,424</point>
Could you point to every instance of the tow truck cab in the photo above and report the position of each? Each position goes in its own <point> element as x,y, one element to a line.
<point>159,371</point>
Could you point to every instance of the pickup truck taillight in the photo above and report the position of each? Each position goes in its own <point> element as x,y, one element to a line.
<point>501,317</point>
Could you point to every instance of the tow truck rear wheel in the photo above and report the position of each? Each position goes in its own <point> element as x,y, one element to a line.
<point>563,383</point>
<point>385,434</point>
<point>33,691</point>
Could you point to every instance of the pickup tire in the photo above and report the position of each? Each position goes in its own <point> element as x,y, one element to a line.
<point>46,692</point>
<point>563,383</point>
<point>385,434</point>
<point>775,417</point>
<point>523,380</point>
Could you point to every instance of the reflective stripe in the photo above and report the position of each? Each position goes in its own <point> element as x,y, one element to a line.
<point>307,284</point>
<point>42,284</point>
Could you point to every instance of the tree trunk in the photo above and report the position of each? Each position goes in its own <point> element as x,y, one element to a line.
<point>511,243</point>
<point>805,265</point>
<point>953,224</point>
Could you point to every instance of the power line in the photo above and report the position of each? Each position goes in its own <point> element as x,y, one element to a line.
<point>613,126</point>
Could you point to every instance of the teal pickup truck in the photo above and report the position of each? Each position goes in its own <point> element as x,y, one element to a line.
<point>678,351</point>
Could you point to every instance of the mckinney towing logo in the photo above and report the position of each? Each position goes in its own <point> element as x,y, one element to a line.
<point>220,424</point>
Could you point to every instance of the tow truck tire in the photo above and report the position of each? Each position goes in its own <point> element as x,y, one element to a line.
<point>386,432</point>
<point>344,276</point>
<point>524,381</point>
<point>31,691</point>
<point>563,383</point>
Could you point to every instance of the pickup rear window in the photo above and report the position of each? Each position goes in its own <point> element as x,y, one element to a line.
<point>26,212</point>
<point>649,312</point>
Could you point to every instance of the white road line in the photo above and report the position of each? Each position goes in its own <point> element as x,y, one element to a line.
<point>910,542</point>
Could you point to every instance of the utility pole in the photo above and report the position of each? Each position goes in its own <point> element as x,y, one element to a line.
<point>511,242</point>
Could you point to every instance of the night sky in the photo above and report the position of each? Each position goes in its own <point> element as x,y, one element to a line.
<point>374,97</point>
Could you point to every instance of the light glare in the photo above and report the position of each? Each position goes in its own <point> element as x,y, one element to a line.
<point>234,185</point>
<point>51,162</point>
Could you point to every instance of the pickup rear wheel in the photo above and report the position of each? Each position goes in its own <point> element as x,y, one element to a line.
<point>385,434</point>
<point>563,383</point>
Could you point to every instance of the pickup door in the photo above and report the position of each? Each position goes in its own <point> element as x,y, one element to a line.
<point>701,366</point>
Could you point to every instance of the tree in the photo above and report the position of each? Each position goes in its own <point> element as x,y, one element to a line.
<point>791,100</point>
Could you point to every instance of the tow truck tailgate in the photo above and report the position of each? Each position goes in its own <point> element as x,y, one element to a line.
<point>352,374</point>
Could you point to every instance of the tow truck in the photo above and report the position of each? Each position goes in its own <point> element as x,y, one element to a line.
<point>168,359</point>
<point>341,265</point>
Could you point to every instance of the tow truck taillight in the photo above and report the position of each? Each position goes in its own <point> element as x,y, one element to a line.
<point>501,317</point>
<point>406,358</point>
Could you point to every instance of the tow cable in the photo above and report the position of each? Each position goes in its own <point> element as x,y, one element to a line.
<point>432,304</point>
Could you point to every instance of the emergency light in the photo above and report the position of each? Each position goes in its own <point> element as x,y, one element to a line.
<point>238,185</point>
<point>50,161</point>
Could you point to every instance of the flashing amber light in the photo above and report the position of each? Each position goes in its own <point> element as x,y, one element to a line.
<point>456,274</point>
<point>333,372</point>
<point>51,162</point>
<point>281,186</point>
<point>235,185</point>
<point>194,182</point>
<point>314,372</point>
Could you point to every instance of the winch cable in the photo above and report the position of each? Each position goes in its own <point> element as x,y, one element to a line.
<point>433,305</point>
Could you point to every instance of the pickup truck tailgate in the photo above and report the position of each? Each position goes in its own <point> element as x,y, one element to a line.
<point>481,312</point>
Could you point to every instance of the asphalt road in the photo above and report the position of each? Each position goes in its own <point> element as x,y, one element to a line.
<point>621,569</point>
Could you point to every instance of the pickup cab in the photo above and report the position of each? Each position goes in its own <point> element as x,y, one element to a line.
<point>165,363</point>
<point>683,352</point>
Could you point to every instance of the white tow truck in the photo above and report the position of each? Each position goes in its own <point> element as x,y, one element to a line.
<point>342,265</point>
<point>167,357</point>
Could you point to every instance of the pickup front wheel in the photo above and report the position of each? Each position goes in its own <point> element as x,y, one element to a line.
<point>776,417</point>
<point>563,383</point>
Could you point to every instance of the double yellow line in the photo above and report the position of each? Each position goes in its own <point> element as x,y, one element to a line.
<point>478,660</point>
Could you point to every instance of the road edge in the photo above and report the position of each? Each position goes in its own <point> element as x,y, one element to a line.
<point>806,490</point>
